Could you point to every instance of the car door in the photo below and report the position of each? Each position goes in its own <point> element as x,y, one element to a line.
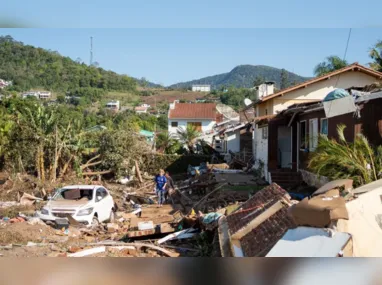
<point>101,205</point>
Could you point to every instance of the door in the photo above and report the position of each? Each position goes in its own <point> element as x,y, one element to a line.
<point>284,141</point>
<point>102,205</point>
<point>196,125</point>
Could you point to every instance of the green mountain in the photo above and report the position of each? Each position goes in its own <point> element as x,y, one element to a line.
<point>30,67</point>
<point>244,76</point>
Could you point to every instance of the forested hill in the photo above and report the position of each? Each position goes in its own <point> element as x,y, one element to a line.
<point>245,76</point>
<point>30,67</point>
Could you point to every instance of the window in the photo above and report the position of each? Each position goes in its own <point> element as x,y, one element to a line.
<point>264,132</point>
<point>174,124</point>
<point>303,142</point>
<point>101,192</point>
<point>313,134</point>
<point>324,127</point>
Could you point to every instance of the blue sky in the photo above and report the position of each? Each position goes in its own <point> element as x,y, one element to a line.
<point>169,56</point>
<point>193,14</point>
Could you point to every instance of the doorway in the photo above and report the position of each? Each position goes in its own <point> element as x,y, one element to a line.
<point>284,147</point>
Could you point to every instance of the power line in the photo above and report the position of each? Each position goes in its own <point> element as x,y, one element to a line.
<point>346,51</point>
<point>347,44</point>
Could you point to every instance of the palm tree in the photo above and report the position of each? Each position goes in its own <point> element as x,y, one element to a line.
<point>166,142</point>
<point>340,159</point>
<point>331,63</point>
<point>376,54</point>
<point>188,136</point>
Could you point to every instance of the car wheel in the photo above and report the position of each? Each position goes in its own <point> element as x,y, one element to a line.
<point>95,222</point>
<point>112,216</point>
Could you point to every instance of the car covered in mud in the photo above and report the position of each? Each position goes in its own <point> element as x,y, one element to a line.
<point>87,204</point>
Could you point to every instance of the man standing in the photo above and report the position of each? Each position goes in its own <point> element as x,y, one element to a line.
<point>169,186</point>
<point>160,189</point>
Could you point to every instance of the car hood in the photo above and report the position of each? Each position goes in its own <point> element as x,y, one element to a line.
<point>68,204</point>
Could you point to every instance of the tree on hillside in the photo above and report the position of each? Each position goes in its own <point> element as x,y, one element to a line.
<point>376,54</point>
<point>331,63</point>
<point>188,137</point>
<point>258,81</point>
<point>284,79</point>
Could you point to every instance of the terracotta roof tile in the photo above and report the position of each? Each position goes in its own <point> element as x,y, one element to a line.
<point>193,111</point>
<point>262,238</point>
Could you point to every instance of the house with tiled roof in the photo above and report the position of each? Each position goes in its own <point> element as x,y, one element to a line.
<point>202,116</point>
<point>269,104</point>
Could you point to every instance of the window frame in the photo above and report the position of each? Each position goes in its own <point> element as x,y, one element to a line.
<point>327,126</point>
<point>264,132</point>
<point>306,145</point>
<point>172,124</point>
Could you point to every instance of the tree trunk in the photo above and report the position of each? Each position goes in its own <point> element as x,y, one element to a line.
<point>66,165</point>
<point>53,173</point>
<point>38,168</point>
<point>42,164</point>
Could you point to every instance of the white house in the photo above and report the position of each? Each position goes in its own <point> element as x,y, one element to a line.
<point>203,116</point>
<point>113,105</point>
<point>201,88</point>
<point>313,90</point>
<point>4,83</point>
<point>140,109</point>
<point>43,95</point>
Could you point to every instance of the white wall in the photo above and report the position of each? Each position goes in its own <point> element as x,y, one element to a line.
<point>233,141</point>
<point>319,90</point>
<point>207,125</point>
<point>261,149</point>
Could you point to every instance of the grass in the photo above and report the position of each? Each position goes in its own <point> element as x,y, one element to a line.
<point>125,98</point>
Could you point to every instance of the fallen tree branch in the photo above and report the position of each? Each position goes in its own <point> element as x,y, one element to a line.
<point>206,196</point>
<point>96,173</point>
<point>138,245</point>
<point>89,162</point>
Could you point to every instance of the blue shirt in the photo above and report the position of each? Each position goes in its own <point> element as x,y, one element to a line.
<point>160,181</point>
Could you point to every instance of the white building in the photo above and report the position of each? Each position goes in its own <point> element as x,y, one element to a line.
<point>145,105</point>
<point>43,95</point>
<point>141,109</point>
<point>201,88</point>
<point>113,105</point>
<point>202,116</point>
<point>4,83</point>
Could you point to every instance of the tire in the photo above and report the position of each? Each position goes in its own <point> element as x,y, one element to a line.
<point>95,222</point>
<point>112,217</point>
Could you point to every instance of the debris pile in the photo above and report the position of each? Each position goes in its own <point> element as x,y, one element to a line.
<point>214,211</point>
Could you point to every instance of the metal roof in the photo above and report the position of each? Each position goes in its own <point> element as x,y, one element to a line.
<point>310,242</point>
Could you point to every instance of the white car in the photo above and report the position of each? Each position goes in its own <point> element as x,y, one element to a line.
<point>87,204</point>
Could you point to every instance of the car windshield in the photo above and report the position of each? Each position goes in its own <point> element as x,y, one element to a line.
<point>74,194</point>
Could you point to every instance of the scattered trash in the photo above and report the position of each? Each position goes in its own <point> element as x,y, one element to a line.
<point>145,225</point>
<point>35,221</point>
<point>28,200</point>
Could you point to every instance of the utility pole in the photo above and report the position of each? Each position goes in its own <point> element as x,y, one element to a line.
<point>91,51</point>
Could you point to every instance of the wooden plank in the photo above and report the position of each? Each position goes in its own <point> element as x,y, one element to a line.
<point>138,172</point>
